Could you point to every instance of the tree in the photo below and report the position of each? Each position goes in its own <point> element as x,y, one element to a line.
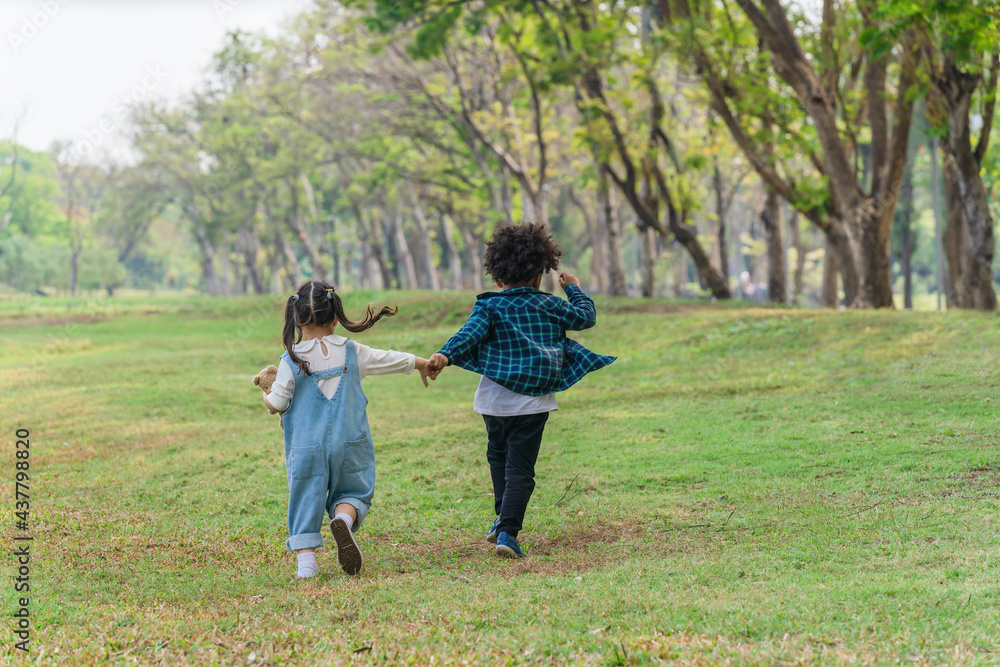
<point>865,198</point>
<point>960,45</point>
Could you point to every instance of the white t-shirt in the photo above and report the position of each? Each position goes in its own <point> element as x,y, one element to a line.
<point>370,362</point>
<point>497,401</point>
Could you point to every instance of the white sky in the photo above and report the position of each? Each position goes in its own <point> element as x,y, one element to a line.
<point>70,65</point>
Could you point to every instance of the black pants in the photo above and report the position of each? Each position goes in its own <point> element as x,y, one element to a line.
<point>512,451</point>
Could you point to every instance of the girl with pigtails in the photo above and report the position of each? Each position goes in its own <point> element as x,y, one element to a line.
<point>329,455</point>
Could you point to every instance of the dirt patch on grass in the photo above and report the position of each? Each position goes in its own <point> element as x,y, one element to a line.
<point>600,533</point>
<point>577,549</point>
<point>983,482</point>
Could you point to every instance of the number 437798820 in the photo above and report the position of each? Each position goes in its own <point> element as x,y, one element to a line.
<point>21,478</point>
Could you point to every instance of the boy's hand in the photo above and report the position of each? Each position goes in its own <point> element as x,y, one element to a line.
<point>436,364</point>
<point>567,278</point>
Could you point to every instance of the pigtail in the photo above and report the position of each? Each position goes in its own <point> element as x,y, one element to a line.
<point>292,334</point>
<point>367,322</point>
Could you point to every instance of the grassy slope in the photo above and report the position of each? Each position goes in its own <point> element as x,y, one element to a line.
<point>742,484</point>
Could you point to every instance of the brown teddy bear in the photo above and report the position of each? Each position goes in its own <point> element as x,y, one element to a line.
<point>266,378</point>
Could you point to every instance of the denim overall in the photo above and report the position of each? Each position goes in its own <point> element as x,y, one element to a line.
<point>329,455</point>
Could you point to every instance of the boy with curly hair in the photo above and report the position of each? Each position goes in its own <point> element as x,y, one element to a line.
<point>516,339</point>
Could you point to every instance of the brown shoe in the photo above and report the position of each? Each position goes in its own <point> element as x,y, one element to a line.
<point>348,551</point>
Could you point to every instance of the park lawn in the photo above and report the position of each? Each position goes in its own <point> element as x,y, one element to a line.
<point>743,485</point>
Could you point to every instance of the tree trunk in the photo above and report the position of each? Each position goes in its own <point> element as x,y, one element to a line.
<point>250,243</point>
<point>274,267</point>
<point>334,251</point>
<point>872,224</point>
<point>975,207</point>
<point>74,269</point>
<point>846,261</point>
<point>474,257</point>
<point>225,270</point>
<point>598,254</point>
<point>606,211</point>
<point>678,265</point>
<point>957,243</point>
<point>647,237</point>
<point>770,217</point>
<point>829,290</point>
<point>453,258</point>
<point>369,274</point>
<point>506,196</point>
<point>720,213</point>
<point>906,253</point>
<point>430,280</point>
<point>207,260</point>
<point>404,258</point>
<point>377,247</point>
<point>795,236</point>
<point>957,88</point>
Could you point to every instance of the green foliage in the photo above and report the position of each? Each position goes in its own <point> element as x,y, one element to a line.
<point>965,29</point>
<point>33,196</point>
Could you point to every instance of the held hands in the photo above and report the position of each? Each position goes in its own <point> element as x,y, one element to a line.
<point>436,364</point>
<point>567,278</point>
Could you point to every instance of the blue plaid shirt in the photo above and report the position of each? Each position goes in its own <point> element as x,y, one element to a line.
<point>517,338</point>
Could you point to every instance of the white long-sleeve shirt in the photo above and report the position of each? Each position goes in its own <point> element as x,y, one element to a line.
<point>370,362</point>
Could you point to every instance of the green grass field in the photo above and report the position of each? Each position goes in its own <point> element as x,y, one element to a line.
<point>743,486</point>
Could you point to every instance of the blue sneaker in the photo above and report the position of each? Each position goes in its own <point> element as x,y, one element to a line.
<point>491,536</point>
<point>507,547</point>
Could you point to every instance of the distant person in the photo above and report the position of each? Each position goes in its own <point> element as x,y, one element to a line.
<point>329,455</point>
<point>516,339</point>
<point>747,288</point>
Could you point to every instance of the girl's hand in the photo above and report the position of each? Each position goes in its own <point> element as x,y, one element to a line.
<point>567,278</point>
<point>425,369</point>
<point>270,408</point>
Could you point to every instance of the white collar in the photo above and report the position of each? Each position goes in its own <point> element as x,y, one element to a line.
<point>332,339</point>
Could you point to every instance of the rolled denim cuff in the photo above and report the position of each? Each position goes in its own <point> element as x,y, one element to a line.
<point>360,506</point>
<point>304,541</point>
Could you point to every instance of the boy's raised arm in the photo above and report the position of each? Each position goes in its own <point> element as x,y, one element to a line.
<point>579,313</point>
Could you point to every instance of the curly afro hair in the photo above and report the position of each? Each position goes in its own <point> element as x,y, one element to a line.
<point>517,254</point>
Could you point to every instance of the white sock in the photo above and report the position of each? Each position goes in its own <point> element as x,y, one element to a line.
<point>346,518</point>
<point>307,564</point>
